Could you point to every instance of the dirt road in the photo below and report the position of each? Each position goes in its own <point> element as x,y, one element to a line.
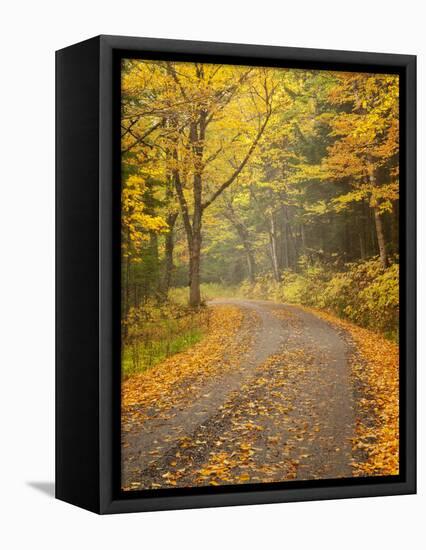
<point>283,410</point>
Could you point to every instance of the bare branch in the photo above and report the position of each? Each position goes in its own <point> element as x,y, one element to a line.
<point>213,156</point>
<point>182,201</point>
<point>141,139</point>
<point>172,72</point>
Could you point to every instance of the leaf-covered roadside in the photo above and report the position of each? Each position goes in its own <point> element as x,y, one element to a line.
<point>175,380</point>
<point>376,370</point>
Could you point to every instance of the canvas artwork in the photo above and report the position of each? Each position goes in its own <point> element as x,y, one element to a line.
<point>259,275</point>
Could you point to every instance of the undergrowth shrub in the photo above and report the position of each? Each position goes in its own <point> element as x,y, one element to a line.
<point>364,292</point>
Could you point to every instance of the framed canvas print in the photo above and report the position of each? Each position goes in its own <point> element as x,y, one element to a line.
<point>235,274</point>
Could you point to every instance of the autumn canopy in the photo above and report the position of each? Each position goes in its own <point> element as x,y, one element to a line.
<point>237,175</point>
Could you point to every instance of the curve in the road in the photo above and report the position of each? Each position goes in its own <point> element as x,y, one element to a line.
<point>323,394</point>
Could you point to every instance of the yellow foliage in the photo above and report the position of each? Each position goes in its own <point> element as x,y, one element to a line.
<point>137,224</point>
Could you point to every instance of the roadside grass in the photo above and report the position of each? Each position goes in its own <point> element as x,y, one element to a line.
<point>153,341</point>
<point>161,339</point>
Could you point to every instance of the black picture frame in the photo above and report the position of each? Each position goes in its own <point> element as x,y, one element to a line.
<point>87,274</point>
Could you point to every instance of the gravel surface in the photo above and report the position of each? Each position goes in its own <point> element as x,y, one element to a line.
<point>283,410</point>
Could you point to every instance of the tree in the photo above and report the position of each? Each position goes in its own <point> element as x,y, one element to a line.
<point>212,119</point>
<point>231,214</point>
<point>367,130</point>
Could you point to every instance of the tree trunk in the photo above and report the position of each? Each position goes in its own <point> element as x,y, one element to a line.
<point>127,280</point>
<point>197,137</point>
<point>273,248</point>
<point>362,229</point>
<point>194,271</point>
<point>153,280</point>
<point>378,224</point>
<point>380,238</point>
<point>285,246</point>
<point>295,255</point>
<point>395,227</point>
<point>362,245</point>
<point>373,240</point>
<point>282,244</point>
<point>303,235</point>
<point>168,261</point>
<point>193,232</point>
<point>168,252</point>
<point>244,236</point>
<point>250,265</point>
<point>126,297</point>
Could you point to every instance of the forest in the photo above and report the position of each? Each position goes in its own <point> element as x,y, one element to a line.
<point>254,182</point>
